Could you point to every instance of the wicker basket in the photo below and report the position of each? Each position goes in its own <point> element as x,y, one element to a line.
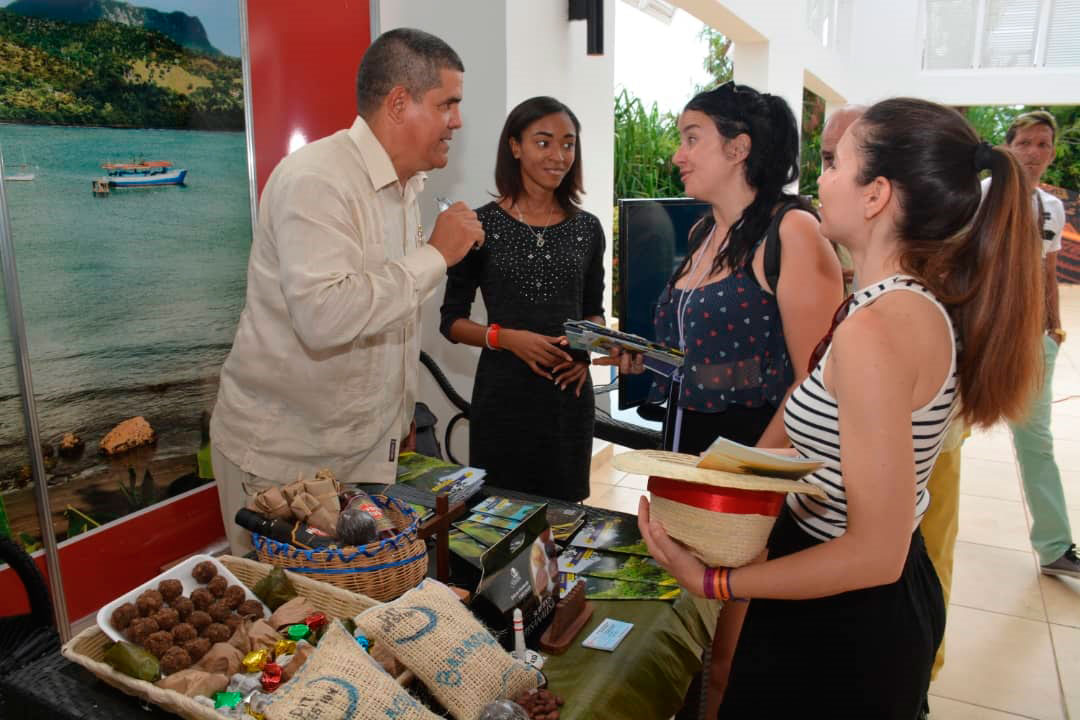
<point>382,570</point>
<point>88,647</point>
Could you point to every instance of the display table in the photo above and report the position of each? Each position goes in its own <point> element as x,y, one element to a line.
<point>647,675</point>
<point>645,678</point>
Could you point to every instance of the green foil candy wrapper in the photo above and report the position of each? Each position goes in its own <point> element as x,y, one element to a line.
<point>227,700</point>
<point>275,589</point>
<point>133,661</point>
<point>298,632</point>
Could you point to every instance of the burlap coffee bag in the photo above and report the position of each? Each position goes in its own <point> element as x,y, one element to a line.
<point>341,682</point>
<point>436,637</point>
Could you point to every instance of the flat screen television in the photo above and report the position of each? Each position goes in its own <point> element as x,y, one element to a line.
<point>652,243</point>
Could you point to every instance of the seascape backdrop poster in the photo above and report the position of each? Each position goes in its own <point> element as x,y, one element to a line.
<point>131,297</point>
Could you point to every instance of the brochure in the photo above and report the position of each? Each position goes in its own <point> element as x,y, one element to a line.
<point>615,534</point>
<point>494,521</point>
<point>591,337</point>
<point>615,566</point>
<point>605,589</point>
<point>564,521</point>
<point>488,535</point>
<point>438,476</point>
<point>505,507</point>
<point>730,456</point>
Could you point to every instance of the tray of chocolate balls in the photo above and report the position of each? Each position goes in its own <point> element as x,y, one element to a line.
<point>213,638</point>
<point>179,615</point>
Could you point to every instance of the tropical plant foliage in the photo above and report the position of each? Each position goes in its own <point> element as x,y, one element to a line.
<point>104,73</point>
<point>991,122</point>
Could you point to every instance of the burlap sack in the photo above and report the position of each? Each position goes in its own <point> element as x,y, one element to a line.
<point>293,612</point>
<point>271,502</point>
<point>192,682</point>
<point>303,651</point>
<point>293,489</point>
<point>436,637</point>
<point>340,682</point>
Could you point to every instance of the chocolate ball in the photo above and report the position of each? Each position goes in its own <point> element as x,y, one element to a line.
<point>197,648</point>
<point>184,632</point>
<point>219,611</point>
<point>201,598</point>
<point>200,620</point>
<point>159,642</point>
<point>170,589</point>
<point>234,595</point>
<point>123,615</point>
<point>204,572</point>
<point>175,659</point>
<point>234,621</point>
<point>149,602</point>
<point>217,632</point>
<point>183,606</point>
<point>251,609</point>
<point>141,629</point>
<point>166,618</point>
<point>217,586</point>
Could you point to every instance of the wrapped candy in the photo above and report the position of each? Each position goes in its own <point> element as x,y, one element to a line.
<point>245,683</point>
<point>363,641</point>
<point>298,632</point>
<point>275,589</point>
<point>227,700</point>
<point>256,660</point>
<point>271,677</point>
<point>133,661</point>
<point>503,710</point>
<point>284,647</point>
<point>316,621</point>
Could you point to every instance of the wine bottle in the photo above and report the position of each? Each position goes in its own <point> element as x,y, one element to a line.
<point>297,534</point>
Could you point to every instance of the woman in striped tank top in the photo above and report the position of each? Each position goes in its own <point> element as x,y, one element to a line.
<point>847,612</point>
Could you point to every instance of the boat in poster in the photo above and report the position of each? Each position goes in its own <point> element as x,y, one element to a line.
<point>143,173</point>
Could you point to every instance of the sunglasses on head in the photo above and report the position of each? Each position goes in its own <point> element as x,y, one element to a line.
<point>823,345</point>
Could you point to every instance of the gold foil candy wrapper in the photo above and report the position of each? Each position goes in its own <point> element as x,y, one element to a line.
<point>284,647</point>
<point>256,660</point>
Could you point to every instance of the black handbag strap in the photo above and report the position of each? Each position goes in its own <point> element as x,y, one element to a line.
<point>772,246</point>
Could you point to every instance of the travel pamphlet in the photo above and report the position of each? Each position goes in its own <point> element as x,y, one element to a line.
<point>605,589</point>
<point>486,534</point>
<point>614,534</point>
<point>505,507</point>
<point>730,456</point>
<point>439,477</point>
<point>564,521</point>
<point>614,566</point>
<point>494,521</point>
<point>591,337</point>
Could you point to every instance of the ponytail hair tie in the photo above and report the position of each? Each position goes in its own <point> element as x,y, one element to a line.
<point>984,156</point>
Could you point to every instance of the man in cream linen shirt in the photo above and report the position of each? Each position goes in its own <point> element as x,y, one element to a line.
<point>324,368</point>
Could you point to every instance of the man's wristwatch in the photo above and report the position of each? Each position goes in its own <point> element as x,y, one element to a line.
<point>1057,333</point>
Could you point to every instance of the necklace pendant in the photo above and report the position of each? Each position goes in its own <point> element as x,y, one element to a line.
<point>540,242</point>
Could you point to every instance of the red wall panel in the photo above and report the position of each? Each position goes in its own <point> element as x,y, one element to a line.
<point>304,58</point>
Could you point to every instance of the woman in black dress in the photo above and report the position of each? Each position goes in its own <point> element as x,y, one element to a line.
<point>531,424</point>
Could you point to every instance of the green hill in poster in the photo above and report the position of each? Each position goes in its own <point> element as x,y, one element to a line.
<point>109,73</point>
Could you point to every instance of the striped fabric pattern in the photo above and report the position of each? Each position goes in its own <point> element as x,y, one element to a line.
<point>811,419</point>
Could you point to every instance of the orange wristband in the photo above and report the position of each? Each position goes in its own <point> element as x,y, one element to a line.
<point>492,336</point>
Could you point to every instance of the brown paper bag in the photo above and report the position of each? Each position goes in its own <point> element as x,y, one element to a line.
<point>340,680</point>
<point>192,682</point>
<point>436,637</point>
<point>221,658</point>
<point>292,612</point>
<point>307,509</point>
<point>271,503</point>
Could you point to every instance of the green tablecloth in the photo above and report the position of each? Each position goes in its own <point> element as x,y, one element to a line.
<point>647,675</point>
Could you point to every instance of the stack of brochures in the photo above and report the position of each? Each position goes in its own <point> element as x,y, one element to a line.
<point>609,556</point>
<point>438,477</point>
<point>588,336</point>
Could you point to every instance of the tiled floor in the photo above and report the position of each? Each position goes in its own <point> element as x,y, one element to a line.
<point>1013,635</point>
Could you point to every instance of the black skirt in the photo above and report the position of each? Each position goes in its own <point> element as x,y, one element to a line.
<point>861,654</point>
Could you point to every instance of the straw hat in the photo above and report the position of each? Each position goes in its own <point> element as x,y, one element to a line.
<point>719,533</point>
<point>678,466</point>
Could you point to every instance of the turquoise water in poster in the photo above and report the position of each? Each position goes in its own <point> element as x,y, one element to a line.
<point>130,300</point>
